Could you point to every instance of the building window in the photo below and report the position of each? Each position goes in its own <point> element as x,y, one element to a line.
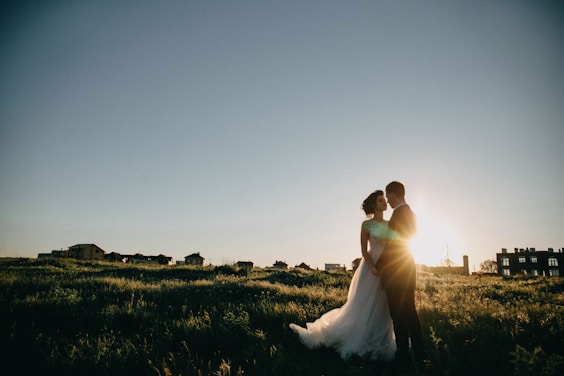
<point>534,272</point>
<point>552,261</point>
<point>534,259</point>
<point>506,272</point>
<point>554,273</point>
<point>522,259</point>
<point>505,261</point>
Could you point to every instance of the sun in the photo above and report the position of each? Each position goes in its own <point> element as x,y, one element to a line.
<point>435,240</point>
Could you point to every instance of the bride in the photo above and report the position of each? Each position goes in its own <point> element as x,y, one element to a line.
<point>362,326</point>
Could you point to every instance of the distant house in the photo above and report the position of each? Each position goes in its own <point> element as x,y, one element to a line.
<point>93,252</point>
<point>86,252</point>
<point>194,259</point>
<point>531,262</point>
<point>137,258</point>
<point>303,265</point>
<point>334,267</point>
<point>60,253</point>
<point>280,265</point>
<point>55,253</point>
<point>115,257</point>
<point>245,264</point>
<point>161,259</point>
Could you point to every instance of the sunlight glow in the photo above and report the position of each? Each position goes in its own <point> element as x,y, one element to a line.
<point>435,240</point>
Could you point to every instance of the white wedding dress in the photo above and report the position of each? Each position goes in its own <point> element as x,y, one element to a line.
<point>362,326</point>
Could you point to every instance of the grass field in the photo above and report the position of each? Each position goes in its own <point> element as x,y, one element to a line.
<point>66,317</point>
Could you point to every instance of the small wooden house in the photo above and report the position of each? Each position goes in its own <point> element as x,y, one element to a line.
<point>194,259</point>
<point>86,252</point>
<point>162,259</point>
<point>115,257</point>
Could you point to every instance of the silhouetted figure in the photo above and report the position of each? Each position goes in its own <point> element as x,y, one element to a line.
<point>397,270</point>
<point>362,326</point>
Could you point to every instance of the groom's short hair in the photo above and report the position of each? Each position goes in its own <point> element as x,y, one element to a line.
<point>396,187</point>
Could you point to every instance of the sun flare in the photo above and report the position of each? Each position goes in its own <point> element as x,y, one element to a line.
<point>435,241</point>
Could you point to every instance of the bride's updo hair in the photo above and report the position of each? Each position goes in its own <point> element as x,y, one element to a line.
<point>370,202</point>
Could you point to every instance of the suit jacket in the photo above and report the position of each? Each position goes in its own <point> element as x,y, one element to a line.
<point>396,264</point>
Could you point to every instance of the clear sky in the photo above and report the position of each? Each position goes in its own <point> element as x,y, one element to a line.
<point>253,130</point>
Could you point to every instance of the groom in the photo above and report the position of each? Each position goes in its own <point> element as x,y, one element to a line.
<point>397,270</point>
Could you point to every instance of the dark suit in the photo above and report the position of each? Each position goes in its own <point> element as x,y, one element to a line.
<point>397,270</point>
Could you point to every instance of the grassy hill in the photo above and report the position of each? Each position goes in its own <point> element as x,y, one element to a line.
<point>66,317</point>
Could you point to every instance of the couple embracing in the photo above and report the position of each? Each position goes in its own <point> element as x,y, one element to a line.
<point>379,317</point>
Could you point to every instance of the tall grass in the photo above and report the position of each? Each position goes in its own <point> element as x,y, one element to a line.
<point>66,317</point>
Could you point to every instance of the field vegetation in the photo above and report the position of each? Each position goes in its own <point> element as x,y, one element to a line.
<point>68,317</point>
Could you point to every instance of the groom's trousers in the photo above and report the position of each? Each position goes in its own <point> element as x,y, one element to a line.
<point>406,322</point>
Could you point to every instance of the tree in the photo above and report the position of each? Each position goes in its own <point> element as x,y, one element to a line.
<point>446,262</point>
<point>488,266</point>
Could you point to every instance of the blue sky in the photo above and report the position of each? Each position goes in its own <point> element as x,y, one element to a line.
<point>253,130</point>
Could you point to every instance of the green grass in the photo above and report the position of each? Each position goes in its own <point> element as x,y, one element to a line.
<point>65,317</point>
